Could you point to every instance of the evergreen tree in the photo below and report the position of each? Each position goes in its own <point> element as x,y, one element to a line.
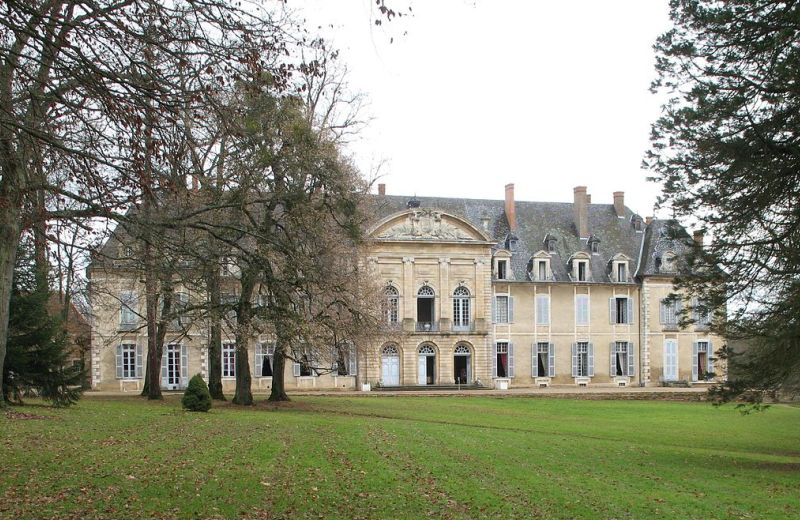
<point>727,152</point>
<point>37,349</point>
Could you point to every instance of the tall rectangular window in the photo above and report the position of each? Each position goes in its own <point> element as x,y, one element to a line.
<point>502,309</point>
<point>265,353</point>
<point>542,271</point>
<point>542,309</point>
<point>502,269</point>
<point>622,272</point>
<point>583,271</point>
<point>502,358</point>
<point>669,313</point>
<point>621,360</point>
<point>128,361</point>
<point>128,318</point>
<point>543,366</point>
<point>229,360</point>
<point>582,366</point>
<point>582,309</point>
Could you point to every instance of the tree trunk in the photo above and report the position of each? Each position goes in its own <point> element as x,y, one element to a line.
<point>278,392</point>
<point>10,229</point>
<point>215,335</point>
<point>244,317</point>
<point>151,301</point>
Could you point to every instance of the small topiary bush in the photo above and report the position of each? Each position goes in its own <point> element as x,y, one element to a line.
<point>197,398</point>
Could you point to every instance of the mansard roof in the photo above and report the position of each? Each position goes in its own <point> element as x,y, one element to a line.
<point>662,238</point>
<point>535,220</point>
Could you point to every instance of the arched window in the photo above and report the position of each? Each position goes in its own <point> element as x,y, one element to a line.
<point>427,350</point>
<point>425,308</point>
<point>461,308</point>
<point>390,350</point>
<point>392,304</point>
<point>462,350</point>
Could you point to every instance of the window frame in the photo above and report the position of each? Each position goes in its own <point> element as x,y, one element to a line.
<point>578,314</point>
<point>461,308</point>
<point>542,317</point>
<point>228,353</point>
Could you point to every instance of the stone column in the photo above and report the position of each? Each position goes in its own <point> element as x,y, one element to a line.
<point>409,296</point>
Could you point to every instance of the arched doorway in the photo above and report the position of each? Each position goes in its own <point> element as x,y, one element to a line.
<point>462,365</point>
<point>390,366</point>
<point>427,364</point>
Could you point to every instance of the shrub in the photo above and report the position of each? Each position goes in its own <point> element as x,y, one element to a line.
<point>197,398</point>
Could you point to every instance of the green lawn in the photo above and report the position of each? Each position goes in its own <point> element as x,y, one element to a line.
<point>401,457</point>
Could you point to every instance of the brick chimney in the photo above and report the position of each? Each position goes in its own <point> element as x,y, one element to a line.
<point>619,203</point>
<point>381,189</point>
<point>511,210</point>
<point>580,212</point>
<point>698,236</point>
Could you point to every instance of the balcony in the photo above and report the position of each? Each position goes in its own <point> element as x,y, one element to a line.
<point>469,327</point>
<point>427,326</point>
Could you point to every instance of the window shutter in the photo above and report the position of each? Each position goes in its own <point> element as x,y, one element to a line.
<point>631,360</point>
<point>591,360</point>
<point>511,309</point>
<point>139,370</point>
<point>352,361</point>
<point>546,301</point>
<point>119,361</point>
<point>662,315</point>
<point>612,365</point>
<point>164,365</point>
<point>694,361</point>
<point>259,359</point>
<point>494,309</point>
<point>612,310</point>
<point>574,360</point>
<point>184,366</point>
<point>678,309</point>
<point>534,359</point>
<point>510,357</point>
<point>494,361</point>
<point>551,360</point>
<point>710,357</point>
<point>630,311</point>
<point>296,369</point>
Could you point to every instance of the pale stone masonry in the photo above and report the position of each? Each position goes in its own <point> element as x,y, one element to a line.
<point>500,293</point>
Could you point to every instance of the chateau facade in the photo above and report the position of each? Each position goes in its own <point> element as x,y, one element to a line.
<point>497,293</point>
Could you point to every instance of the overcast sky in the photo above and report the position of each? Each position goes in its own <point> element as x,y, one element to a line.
<point>472,95</point>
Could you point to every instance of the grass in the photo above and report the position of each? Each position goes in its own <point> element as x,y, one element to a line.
<point>400,457</point>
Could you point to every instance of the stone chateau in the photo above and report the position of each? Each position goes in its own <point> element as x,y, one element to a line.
<point>497,293</point>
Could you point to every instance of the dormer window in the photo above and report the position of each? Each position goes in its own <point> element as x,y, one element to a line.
<point>668,263</point>
<point>620,271</point>
<point>550,243</point>
<point>636,222</point>
<point>539,267</point>
<point>582,268</point>
<point>594,245</point>
<point>502,269</point>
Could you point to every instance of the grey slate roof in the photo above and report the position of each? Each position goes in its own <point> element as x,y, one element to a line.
<point>534,221</point>
<point>663,237</point>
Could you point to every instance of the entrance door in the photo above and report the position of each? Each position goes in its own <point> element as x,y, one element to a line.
<point>423,370</point>
<point>173,367</point>
<point>390,370</point>
<point>461,371</point>
<point>670,360</point>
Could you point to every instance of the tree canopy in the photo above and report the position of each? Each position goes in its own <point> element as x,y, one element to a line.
<point>726,151</point>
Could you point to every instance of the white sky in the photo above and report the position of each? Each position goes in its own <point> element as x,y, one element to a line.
<point>476,94</point>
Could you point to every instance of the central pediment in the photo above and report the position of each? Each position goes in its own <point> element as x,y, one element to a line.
<point>426,224</point>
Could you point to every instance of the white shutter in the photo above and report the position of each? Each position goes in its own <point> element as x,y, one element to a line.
<point>551,360</point>
<point>534,359</point>
<point>119,361</point>
<point>612,365</point>
<point>184,366</point>
<point>510,358</point>
<point>591,360</point>
<point>494,360</point>
<point>662,315</point>
<point>631,360</point>
<point>164,365</point>
<point>612,310</point>
<point>511,309</point>
<point>694,361</point>
<point>258,360</point>
<point>352,361</point>
<point>139,370</point>
<point>296,369</point>
<point>574,360</point>
<point>630,310</point>
<point>494,309</point>
<point>710,357</point>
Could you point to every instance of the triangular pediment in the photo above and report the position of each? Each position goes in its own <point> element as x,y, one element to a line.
<point>426,224</point>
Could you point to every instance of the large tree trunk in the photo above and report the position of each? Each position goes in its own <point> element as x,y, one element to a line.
<point>244,329</point>
<point>10,229</point>
<point>151,302</point>
<point>278,392</point>
<point>215,335</point>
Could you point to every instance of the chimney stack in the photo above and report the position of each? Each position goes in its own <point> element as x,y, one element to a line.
<point>698,236</point>
<point>580,212</point>
<point>381,189</point>
<point>511,210</point>
<point>619,203</point>
<point>588,198</point>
